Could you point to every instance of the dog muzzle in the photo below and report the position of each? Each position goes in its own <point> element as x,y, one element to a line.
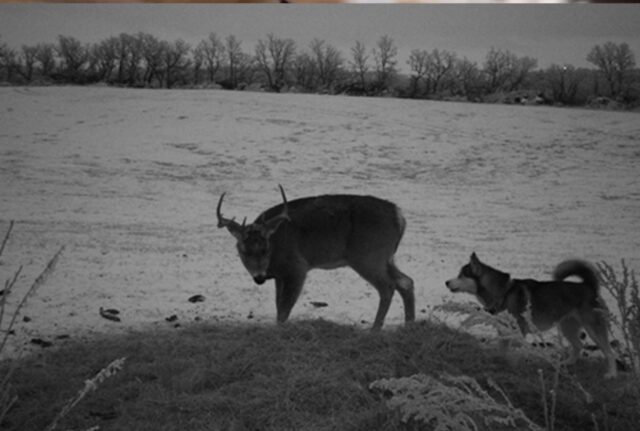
<point>491,310</point>
<point>259,279</point>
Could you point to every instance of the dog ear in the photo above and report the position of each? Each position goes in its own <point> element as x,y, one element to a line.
<point>475,262</point>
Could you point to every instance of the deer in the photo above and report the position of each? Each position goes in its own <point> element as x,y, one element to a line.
<point>326,232</point>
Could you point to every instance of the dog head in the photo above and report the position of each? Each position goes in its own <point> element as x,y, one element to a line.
<point>484,282</point>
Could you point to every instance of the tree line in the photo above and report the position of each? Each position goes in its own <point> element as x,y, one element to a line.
<point>276,64</point>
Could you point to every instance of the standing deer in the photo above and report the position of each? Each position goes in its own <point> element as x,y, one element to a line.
<point>330,231</point>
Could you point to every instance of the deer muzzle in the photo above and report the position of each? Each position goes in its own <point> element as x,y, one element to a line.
<point>260,279</point>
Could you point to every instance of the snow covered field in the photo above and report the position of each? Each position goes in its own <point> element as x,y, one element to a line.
<point>128,181</point>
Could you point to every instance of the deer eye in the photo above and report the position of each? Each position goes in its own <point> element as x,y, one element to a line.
<point>254,244</point>
<point>257,249</point>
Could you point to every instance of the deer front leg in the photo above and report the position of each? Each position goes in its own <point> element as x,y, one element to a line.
<point>288,288</point>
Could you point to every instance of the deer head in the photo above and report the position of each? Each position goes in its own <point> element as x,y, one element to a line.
<point>253,240</point>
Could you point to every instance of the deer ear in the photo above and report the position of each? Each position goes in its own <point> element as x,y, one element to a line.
<point>236,230</point>
<point>272,225</point>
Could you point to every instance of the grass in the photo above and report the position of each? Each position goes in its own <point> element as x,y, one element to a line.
<point>316,375</point>
<point>625,291</point>
<point>305,375</point>
<point>7,398</point>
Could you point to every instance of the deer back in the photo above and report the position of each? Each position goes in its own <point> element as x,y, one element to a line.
<point>324,229</point>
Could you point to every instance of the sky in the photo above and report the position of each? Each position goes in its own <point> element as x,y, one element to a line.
<point>560,34</point>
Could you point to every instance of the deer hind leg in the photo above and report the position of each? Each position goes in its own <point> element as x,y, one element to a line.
<point>379,277</point>
<point>385,290</point>
<point>404,286</point>
<point>288,288</point>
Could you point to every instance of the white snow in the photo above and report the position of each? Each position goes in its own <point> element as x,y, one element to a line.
<point>128,181</point>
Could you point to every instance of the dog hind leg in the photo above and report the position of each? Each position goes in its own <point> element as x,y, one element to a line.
<point>596,326</point>
<point>570,328</point>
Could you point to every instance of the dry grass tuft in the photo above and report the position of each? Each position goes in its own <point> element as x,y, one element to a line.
<point>8,398</point>
<point>449,402</point>
<point>307,375</point>
<point>314,375</point>
<point>626,294</point>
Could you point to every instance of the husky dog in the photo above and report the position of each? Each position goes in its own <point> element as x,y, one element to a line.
<point>570,305</point>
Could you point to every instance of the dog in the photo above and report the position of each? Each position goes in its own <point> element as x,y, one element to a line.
<point>570,305</point>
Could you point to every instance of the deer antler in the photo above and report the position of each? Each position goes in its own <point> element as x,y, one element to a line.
<point>285,210</point>
<point>284,198</point>
<point>273,223</point>
<point>230,224</point>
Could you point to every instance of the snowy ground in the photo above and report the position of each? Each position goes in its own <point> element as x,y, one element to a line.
<point>128,181</point>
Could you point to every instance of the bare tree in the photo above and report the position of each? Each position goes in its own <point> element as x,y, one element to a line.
<point>74,56</point>
<point>198,61</point>
<point>123,49</point>
<point>440,66</point>
<point>359,63</point>
<point>3,48</point>
<point>245,70</point>
<point>564,82</point>
<point>418,64</point>
<point>129,51</point>
<point>317,56</point>
<point>505,71</point>
<point>134,60</point>
<point>468,78</point>
<point>305,71</point>
<point>234,54</point>
<point>176,61</point>
<point>328,61</point>
<point>625,62</point>
<point>104,56</point>
<point>45,55</point>
<point>28,60</point>
<point>212,51</point>
<point>615,61</point>
<point>497,67</point>
<point>142,59</point>
<point>262,58</point>
<point>385,58</point>
<point>275,57</point>
<point>431,67</point>
<point>8,62</point>
<point>152,51</point>
<point>521,68</point>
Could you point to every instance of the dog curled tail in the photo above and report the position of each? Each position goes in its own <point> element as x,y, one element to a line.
<point>583,270</point>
